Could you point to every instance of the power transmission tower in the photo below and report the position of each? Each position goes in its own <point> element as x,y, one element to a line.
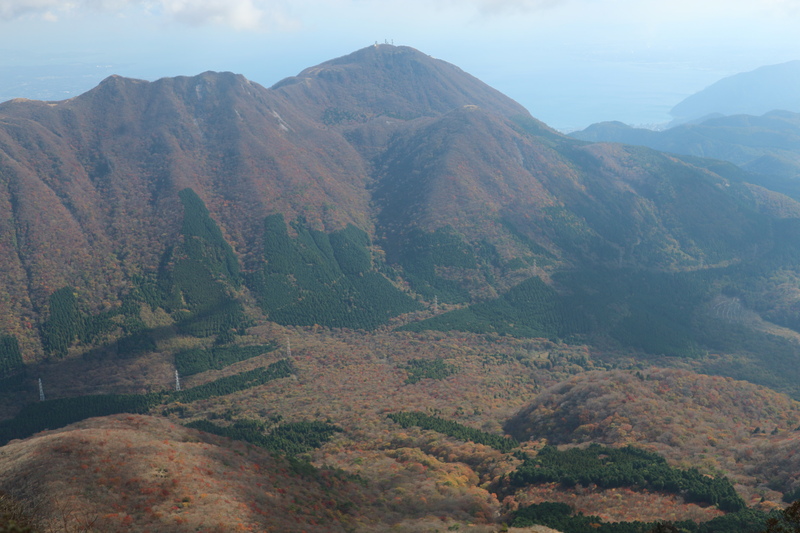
<point>288,348</point>
<point>41,391</point>
<point>177,381</point>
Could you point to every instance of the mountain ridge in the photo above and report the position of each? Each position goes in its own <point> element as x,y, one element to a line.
<point>417,155</point>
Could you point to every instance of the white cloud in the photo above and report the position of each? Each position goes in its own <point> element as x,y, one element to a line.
<point>505,6</point>
<point>237,14</point>
<point>272,15</point>
<point>11,9</point>
<point>674,9</point>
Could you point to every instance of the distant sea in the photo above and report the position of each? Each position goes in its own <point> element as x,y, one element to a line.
<point>570,98</point>
<point>571,95</point>
<point>51,82</point>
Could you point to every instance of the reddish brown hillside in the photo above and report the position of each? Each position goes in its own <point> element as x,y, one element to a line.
<point>138,473</point>
<point>410,479</point>
<point>465,169</point>
<point>481,173</point>
<point>89,185</point>
<point>240,146</point>
<point>388,139</point>
<point>716,424</point>
<point>105,167</point>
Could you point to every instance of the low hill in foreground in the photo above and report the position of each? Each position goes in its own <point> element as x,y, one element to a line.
<point>748,433</point>
<point>139,473</point>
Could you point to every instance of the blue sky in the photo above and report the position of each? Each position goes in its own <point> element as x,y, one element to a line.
<point>570,62</point>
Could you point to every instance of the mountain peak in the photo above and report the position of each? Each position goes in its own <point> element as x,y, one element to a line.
<point>381,53</point>
<point>392,81</point>
<point>115,80</point>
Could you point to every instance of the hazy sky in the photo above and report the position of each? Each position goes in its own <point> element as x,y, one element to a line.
<point>570,62</point>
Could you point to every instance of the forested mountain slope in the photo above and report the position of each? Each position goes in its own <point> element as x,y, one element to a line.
<point>374,266</point>
<point>450,189</point>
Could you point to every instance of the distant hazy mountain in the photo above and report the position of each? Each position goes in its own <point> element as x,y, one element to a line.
<point>767,145</point>
<point>752,93</point>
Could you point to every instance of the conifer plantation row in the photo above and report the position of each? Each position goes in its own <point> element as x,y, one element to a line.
<point>53,414</point>
<point>326,279</point>
<point>624,467</point>
<point>290,438</point>
<point>10,356</point>
<point>197,360</point>
<point>560,516</point>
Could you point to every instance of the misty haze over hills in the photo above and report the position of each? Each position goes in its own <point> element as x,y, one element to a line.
<point>769,88</point>
<point>767,145</point>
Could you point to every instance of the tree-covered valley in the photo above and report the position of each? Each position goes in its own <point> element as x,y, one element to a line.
<point>380,296</point>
